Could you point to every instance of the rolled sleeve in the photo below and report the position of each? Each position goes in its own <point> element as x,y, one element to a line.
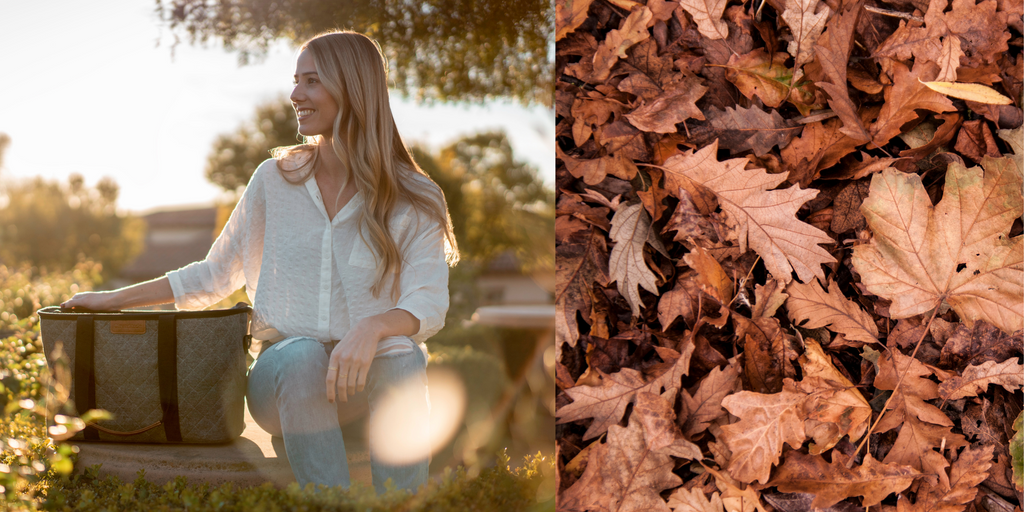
<point>425,283</point>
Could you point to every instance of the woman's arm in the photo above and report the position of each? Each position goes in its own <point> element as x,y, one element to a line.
<point>149,293</point>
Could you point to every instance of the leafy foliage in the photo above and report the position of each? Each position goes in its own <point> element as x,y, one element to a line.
<point>55,226</point>
<point>824,270</point>
<point>446,50</point>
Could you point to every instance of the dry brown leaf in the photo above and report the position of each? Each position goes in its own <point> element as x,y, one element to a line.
<point>705,406</point>
<point>973,92</point>
<point>713,279</point>
<point>768,352</point>
<point>832,483</point>
<point>969,470</point>
<point>581,261</point>
<point>744,128</point>
<point>607,403</point>
<point>846,215</point>
<point>762,75</point>
<point>976,379</point>
<point>625,475</point>
<point>631,229</point>
<point>683,300</point>
<point>834,408</point>
<point>660,430</point>
<point>768,298</point>
<point>833,56</point>
<point>673,106</point>
<point>915,256</point>
<point>617,41</point>
<point>596,170</point>
<point>569,14</point>
<point>766,422</point>
<point>762,218</point>
<point>821,145</point>
<point>811,304</point>
<point>949,59</point>
<point>736,497</point>
<point>694,500</point>
<point>976,345</point>
<point>806,21</point>
<point>901,99</point>
<point>708,16</point>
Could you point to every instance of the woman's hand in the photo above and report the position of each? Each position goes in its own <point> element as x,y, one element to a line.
<point>96,301</point>
<point>350,360</point>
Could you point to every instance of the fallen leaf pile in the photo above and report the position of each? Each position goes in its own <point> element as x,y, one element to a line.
<point>790,255</point>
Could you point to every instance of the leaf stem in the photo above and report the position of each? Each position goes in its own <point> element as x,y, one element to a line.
<point>895,14</point>
<point>867,435</point>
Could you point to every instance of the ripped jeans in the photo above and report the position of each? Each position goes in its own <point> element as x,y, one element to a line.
<point>287,397</point>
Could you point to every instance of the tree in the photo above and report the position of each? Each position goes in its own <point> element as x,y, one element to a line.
<point>442,49</point>
<point>236,155</point>
<point>49,224</point>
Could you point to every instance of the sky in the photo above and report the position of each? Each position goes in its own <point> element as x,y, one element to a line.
<point>86,88</point>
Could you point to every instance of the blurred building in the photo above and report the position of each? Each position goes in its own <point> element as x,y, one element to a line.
<point>174,238</point>
<point>503,282</point>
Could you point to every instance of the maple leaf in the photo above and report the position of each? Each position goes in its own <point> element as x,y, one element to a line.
<point>832,483</point>
<point>976,378</point>
<point>581,261</point>
<point>762,218</point>
<point>675,105</point>
<point>569,14</point>
<point>708,16</point>
<point>623,475</point>
<point>957,252</point>
<point>806,25</point>
<point>969,470</point>
<point>834,408</point>
<point>833,56</point>
<point>705,406</point>
<point>607,403</point>
<point>923,426</point>
<point>694,500</point>
<point>631,229</point>
<point>811,304</point>
<point>766,422</point>
<point>906,94</point>
<point>617,41</point>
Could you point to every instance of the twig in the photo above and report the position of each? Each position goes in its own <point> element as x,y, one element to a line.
<point>577,82</point>
<point>894,14</point>
<point>885,407</point>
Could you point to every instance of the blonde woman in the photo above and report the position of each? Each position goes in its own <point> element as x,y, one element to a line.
<point>343,246</point>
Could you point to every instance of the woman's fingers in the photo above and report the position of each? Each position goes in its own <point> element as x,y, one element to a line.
<point>353,377</point>
<point>332,378</point>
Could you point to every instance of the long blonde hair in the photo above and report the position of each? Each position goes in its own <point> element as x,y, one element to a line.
<point>354,71</point>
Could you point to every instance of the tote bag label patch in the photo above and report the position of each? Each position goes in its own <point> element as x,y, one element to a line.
<point>127,327</point>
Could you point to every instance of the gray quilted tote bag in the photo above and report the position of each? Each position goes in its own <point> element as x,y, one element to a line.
<point>166,376</point>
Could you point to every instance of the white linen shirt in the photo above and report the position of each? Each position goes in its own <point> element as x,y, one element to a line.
<point>307,275</point>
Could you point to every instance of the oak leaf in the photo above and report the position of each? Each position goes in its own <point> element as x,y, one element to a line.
<point>809,303</point>
<point>762,218</point>
<point>820,145</point>
<point>713,279</point>
<point>806,22</point>
<point>833,56</point>
<point>594,171</point>
<point>833,482</point>
<point>744,128</point>
<point>673,106</point>
<point>623,475</point>
<point>694,500</point>
<point>660,430</point>
<point>569,14</point>
<point>768,298</point>
<point>581,261</point>
<point>766,422</point>
<point>834,408</point>
<point>631,229</point>
<point>905,95</point>
<point>957,252</point>
<point>632,30</point>
<point>708,16</point>
<point>969,470</point>
<point>976,378</point>
<point>705,406</point>
<point>607,403</point>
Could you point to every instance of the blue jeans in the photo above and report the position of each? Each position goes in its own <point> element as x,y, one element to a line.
<point>287,397</point>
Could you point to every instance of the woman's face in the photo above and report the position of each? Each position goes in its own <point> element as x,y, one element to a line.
<point>314,106</point>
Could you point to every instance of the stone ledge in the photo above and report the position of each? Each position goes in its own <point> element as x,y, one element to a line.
<point>251,460</point>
